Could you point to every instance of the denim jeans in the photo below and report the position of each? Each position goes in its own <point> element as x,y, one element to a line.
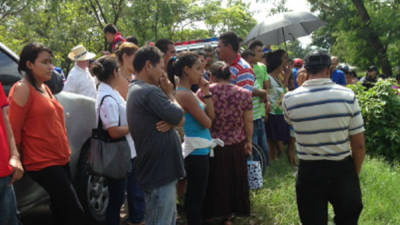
<point>135,198</point>
<point>161,205</point>
<point>8,206</point>
<point>260,136</point>
<point>116,191</point>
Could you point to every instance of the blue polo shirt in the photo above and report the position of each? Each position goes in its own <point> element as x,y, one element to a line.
<point>338,77</point>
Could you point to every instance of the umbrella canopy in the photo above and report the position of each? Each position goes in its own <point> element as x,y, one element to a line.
<point>286,26</point>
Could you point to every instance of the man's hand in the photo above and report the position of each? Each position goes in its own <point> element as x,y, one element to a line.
<point>263,98</point>
<point>248,147</point>
<point>166,85</point>
<point>17,169</point>
<point>163,126</point>
<point>301,76</point>
<point>106,53</point>
<point>267,107</point>
<point>261,93</point>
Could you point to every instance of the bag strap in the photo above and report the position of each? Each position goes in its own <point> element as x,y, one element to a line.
<point>100,123</point>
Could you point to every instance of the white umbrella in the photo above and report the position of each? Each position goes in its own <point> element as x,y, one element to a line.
<point>286,26</point>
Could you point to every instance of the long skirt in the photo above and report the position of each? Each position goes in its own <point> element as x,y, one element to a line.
<point>228,186</point>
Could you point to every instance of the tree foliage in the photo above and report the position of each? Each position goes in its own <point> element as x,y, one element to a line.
<point>350,35</point>
<point>65,23</point>
<point>380,108</point>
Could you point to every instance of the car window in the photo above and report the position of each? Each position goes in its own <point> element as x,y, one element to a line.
<point>8,71</point>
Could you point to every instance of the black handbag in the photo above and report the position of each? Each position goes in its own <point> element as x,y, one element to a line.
<point>108,157</point>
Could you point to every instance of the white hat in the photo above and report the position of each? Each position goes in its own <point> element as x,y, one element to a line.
<point>79,53</point>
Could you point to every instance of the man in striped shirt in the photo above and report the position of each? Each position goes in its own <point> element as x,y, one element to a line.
<point>329,130</point>
<point>242,73</point>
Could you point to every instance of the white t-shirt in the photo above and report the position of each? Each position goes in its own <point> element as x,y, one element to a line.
<point>80,81</point>
<point>113,111</point>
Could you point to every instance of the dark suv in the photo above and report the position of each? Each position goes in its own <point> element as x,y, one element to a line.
<point>79,112</point>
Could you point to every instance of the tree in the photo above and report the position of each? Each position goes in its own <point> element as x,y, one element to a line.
<point>61,25</point>
<point>105,12</point>
<point>10,8</point>
<point>361,32</point>
<point>235,17</point>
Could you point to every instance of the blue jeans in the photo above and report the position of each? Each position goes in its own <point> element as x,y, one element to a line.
<point>161,205</point>
<point>116,191</point>
<point>135,198</point>
<point>260,136</point>
<point>8,206</point>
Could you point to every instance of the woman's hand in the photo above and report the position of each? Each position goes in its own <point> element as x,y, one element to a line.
<point>17,169</point>
<point>248,147</point>
<point>204,86</point>
<point>163,126</point>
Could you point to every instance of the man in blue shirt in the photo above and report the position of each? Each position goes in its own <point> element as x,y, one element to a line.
<point>337,75</point>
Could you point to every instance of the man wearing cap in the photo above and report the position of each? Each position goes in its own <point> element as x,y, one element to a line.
<point>337,75</point>
<point>329,129</point>
<point>79,79</point>
<point>370,79</point>
<point>297,64</point>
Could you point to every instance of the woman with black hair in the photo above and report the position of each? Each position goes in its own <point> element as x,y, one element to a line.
<point>276,126</point>
<point>199,115</point>
<point>228,187</point>
<point>37,119</point>
<point>111,111</point>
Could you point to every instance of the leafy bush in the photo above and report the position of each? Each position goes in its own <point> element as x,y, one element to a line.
<point>380,108</point>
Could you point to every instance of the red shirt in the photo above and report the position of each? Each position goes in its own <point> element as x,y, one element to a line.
<point>39,130</point>
<point>5,168</point>
<point>117,39</point>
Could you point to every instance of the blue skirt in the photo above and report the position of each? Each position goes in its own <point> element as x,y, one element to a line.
<point>277,128</point>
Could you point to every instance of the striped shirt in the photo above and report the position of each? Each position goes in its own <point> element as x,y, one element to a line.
<point>324,115</point>
<point>242,73</point>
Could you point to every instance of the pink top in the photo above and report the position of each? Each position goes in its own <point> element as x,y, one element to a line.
<point>230,103</point>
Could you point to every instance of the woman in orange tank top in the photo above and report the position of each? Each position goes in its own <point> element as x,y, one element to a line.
<point>38,124</point>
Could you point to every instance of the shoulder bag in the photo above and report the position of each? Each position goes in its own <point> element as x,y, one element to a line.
<point>108,157</point>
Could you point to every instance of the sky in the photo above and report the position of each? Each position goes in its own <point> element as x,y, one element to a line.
<point>292,5</point>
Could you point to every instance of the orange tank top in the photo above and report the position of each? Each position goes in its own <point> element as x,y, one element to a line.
<point>39,130</point>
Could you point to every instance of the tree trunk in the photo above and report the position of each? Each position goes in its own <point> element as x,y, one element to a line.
<point>373,38</point>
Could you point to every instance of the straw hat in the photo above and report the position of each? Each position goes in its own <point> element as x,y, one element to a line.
<point>79,53</point>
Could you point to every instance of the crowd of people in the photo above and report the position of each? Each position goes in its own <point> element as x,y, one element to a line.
<point>157,99</point>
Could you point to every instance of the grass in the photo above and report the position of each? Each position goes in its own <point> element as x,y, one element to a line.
<point>275,203</point>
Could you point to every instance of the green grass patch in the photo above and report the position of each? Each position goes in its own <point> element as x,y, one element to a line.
<point>275,203</point>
